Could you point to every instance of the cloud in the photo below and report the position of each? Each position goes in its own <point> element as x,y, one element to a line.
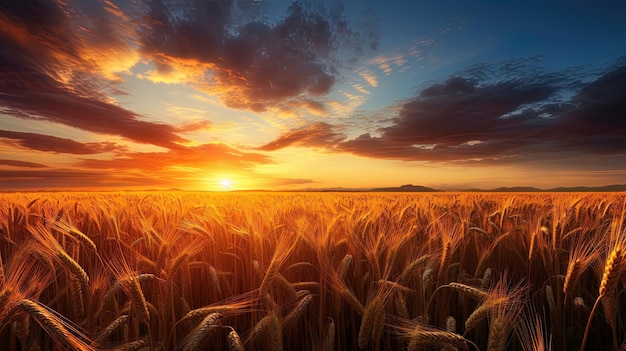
<point>50,143</point>
<point>60,64</point>
<point>386,63</point>
<point>369,77</point>
<point>59,179</point>
<point>205,157</point>
<point>318,135</point>
<point>595,119</point>
<point>280,182</point>
<point>504,113</point>
<point>476,117</point>
<point>251,64</point>
<point>186,167</point>
<point>23,164</point>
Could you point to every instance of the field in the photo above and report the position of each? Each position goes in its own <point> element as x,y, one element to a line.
<point>194,271</point>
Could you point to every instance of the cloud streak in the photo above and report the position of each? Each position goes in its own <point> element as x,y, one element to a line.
<point>41,142</point>
<point>22,164</point>
<point>316,135</point>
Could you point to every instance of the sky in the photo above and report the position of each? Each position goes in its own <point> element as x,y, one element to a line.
<point>282,95</point>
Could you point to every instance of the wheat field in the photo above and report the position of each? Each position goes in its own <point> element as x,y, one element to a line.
<point>312,271</point>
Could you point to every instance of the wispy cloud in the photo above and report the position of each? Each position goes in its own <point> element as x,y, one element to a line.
<point>387,64</point>
<point>208,157</point>
<point>23,164</point>
<point>318,135</point>
<point>41,142</point>
<point>369,77</point>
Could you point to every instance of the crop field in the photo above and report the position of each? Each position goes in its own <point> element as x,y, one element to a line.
<point>312,271</point>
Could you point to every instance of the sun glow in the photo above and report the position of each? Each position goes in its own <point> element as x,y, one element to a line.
<point>226,184</point>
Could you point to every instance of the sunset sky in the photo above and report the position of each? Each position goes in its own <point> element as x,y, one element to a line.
<point>269,94</point>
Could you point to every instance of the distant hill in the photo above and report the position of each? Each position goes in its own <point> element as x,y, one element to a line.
<point>515,189</point>
<point>407,188</point>
<point>606,188</point>
<point>574,189</point>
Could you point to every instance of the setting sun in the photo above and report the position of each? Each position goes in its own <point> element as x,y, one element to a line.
<point>226,184</point>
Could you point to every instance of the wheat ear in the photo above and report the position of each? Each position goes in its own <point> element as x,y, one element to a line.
<point>269,329</point>
<point>298,310</point>
<point>420,336</point>
<point>76,292</point>
<point>234,341</point>
<point>573,272</point>
<point>475,293</point>
<point>610,278</point>
<point>498,335</point>
<point>202,332</point>
<point>52,324</point>
<point>451,324</point>
<point>132,346</point>
<point>112,327</point>
<point>371,315</point>
<point>329,339</point>
<point>344,266</point>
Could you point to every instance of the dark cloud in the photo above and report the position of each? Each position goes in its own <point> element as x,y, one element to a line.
<point>472,118</point>
<point>253,65</point>
<point>597,116</point>
<point>23,164</point>
<point>50,143</point>
<point>459,111</point>
<point>479,119</point>
<point>316,135</point>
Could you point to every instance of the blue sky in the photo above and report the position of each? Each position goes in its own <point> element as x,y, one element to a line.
<point>289,95</point>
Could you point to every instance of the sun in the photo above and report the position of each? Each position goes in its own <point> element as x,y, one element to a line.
<point>226,183</point>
